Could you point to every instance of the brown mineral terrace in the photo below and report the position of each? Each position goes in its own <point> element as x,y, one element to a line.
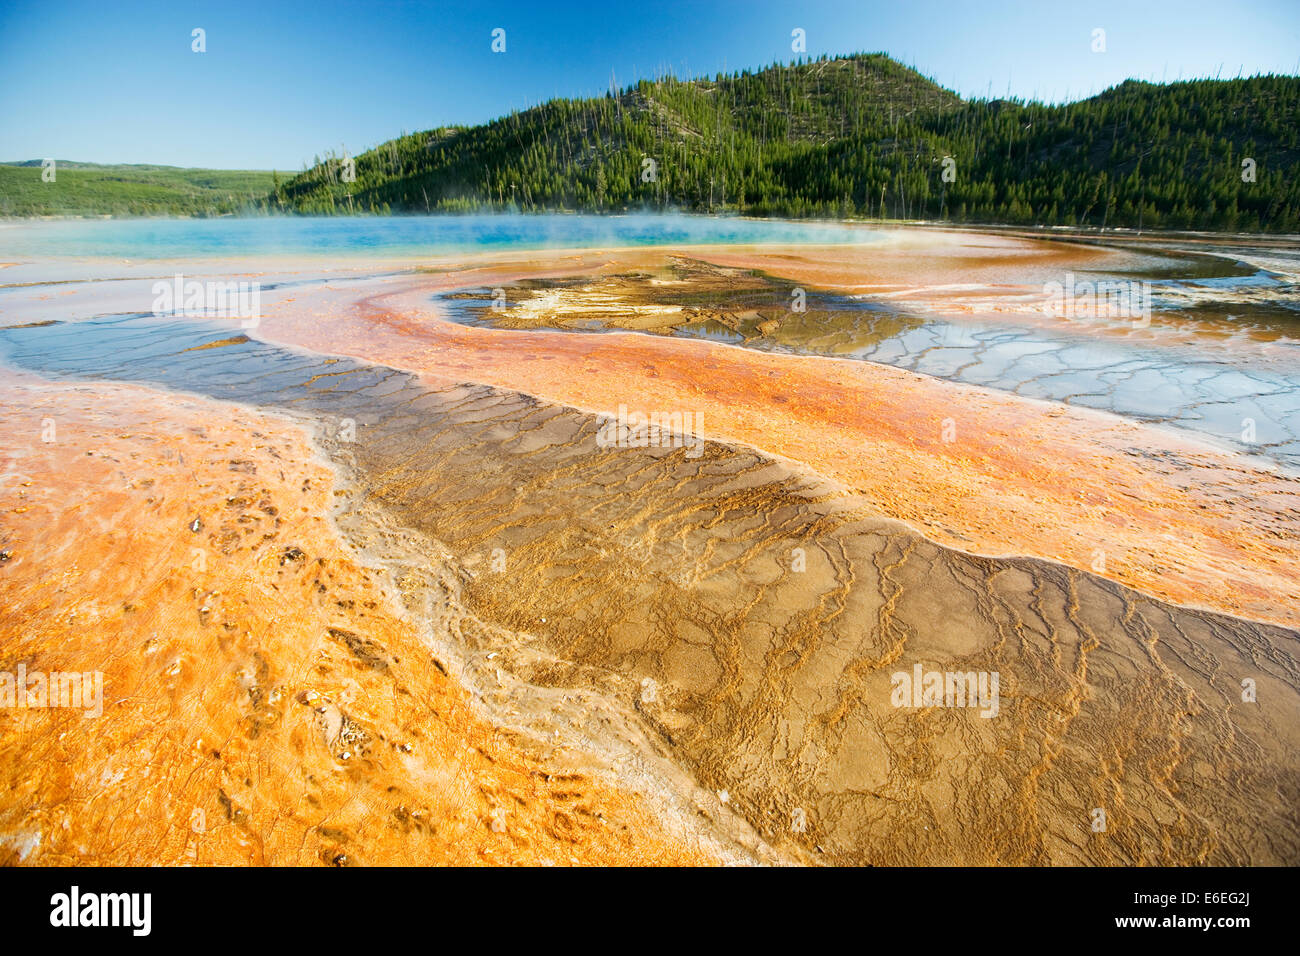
<point>1156,509</point>
<point>263,701</point>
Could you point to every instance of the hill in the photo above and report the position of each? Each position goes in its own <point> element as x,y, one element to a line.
<point>91,189</point>
<point>860,135</point>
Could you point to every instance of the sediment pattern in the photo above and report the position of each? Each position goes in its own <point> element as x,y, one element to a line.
<point>970,467</point>
<point>264,700</point>
<point>750,615</point>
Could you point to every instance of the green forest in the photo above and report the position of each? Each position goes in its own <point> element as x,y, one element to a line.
<point>855,136</point>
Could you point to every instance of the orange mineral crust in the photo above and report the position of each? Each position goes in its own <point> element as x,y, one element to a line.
<point>263,701</point>
<point>975,469</point>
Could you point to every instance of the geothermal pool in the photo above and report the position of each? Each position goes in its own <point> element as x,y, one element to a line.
<point>366,585</point>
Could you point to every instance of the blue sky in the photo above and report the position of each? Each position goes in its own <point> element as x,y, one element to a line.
<point>280,82</point>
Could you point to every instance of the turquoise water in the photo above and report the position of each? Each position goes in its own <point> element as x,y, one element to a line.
<point>397,235</point>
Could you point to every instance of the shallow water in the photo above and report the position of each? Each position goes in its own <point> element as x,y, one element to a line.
<point>1221,357</point>
<point>398,235</point>
<point>1197,385</point>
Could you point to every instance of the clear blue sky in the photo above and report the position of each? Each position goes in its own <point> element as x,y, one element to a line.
<point>106,81</point>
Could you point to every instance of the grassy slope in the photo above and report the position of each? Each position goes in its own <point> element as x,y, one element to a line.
<point>88,189</point>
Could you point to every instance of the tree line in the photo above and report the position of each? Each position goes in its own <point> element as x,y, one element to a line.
<point>855,136</point>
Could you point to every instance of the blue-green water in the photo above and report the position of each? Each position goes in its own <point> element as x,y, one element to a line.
<point>398,235</point>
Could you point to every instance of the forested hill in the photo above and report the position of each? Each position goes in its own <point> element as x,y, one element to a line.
<point>855,136</point>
